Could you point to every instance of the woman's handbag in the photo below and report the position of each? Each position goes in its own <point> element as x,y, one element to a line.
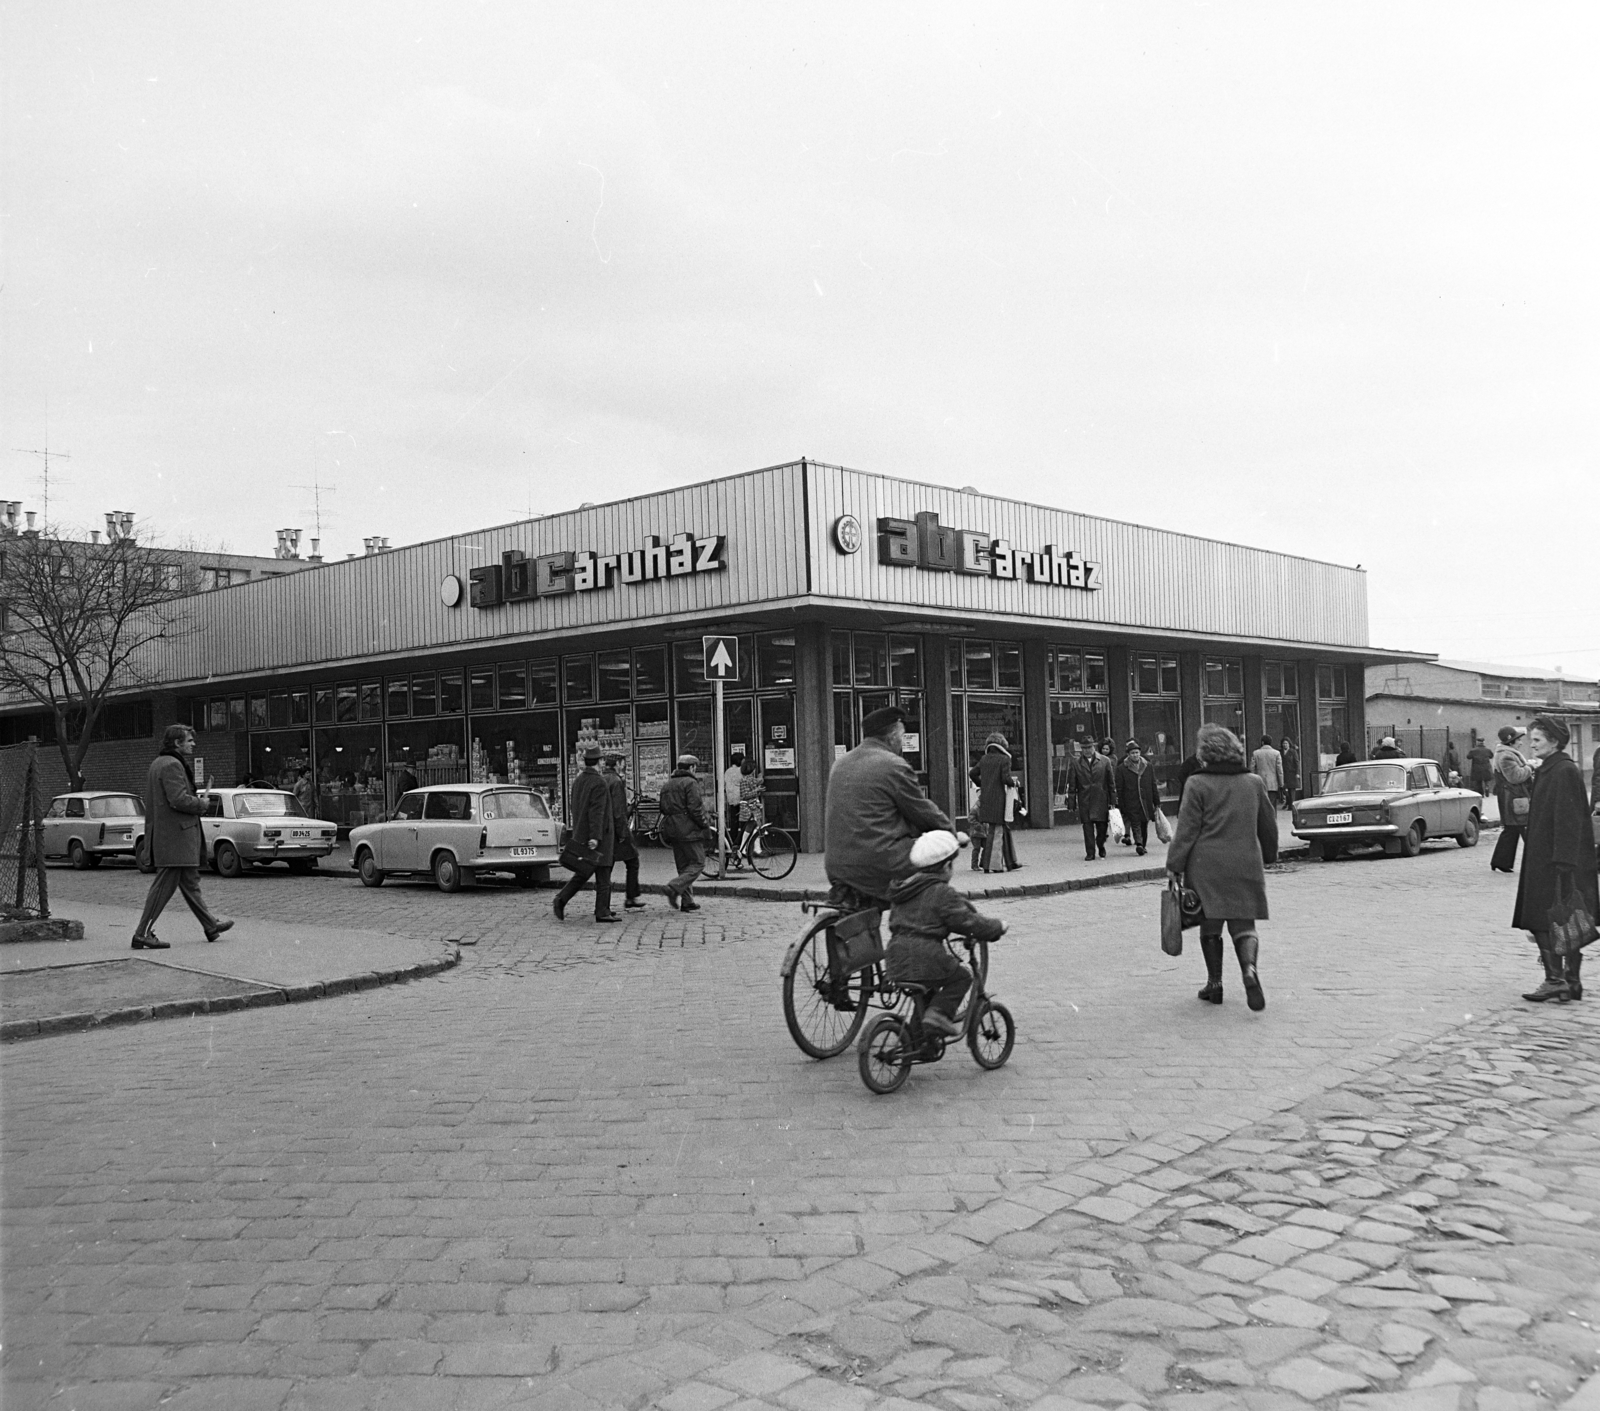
<point>1571,926</point>
<point>1520,804</point>
<point>1180,909</point>
<point>1163,826</point>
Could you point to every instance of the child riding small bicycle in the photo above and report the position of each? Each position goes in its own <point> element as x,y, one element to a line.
<point>924,909</point>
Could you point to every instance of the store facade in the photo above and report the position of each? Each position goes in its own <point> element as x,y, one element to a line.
<point>501,654</point>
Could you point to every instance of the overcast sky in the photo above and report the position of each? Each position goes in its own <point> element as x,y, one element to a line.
<point>1321,279</point>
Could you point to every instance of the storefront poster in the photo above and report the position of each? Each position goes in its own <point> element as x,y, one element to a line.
<point>779,759</point>
<point>654,766</point>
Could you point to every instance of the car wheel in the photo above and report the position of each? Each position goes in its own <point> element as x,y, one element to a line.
<point>225,858</point>
<point>1411,841</point>
<point>447,872</point>
<point>77,856</point>
<point>141,856</point>
<point>1468,836</point>
<point>1329,851</point>
<point>367,868</point>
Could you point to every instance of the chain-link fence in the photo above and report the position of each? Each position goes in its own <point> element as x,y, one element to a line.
<point>23,891</point>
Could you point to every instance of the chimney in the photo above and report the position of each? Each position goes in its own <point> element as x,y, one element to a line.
<point>315,555</point>
<point>94,536</point>
<point>119,525</point>
<point>12,508</point>
<point>30,528</point>
<point>288,544</point>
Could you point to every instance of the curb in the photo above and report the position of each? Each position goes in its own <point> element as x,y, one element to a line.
<point>263,998</point>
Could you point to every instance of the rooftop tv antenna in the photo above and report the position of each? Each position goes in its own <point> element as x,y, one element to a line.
<point>45,454</point>
<point>318,490</point>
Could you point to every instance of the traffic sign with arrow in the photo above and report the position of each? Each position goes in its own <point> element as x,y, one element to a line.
<point>722,658</point>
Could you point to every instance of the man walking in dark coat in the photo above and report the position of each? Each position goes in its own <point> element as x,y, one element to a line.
<point>683,824</point>
<point>1093,783</point>
<point>876,811</point>
<point>173,839</point>
<point>623,847</point>
<point>1481,758</point>
<point>589,852</point>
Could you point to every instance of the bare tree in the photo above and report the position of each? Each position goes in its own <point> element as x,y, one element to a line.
<point>81,622</point>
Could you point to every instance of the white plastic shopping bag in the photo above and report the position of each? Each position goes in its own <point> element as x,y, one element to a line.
<point>1116,828</point>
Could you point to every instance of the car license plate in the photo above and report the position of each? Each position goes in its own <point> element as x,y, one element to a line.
<point>300,833</point>
<point>1341,817</point>
<point>524,852</point>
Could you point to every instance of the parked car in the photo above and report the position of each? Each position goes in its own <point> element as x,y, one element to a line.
<point>1399,803</point>
<point>242,827</point>
<point>457,832</point>
<point>85,828</point>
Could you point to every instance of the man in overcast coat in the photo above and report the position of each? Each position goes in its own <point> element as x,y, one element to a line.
<point>172,839</point>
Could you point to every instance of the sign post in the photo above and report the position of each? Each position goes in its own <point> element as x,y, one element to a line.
<point>721,663</point>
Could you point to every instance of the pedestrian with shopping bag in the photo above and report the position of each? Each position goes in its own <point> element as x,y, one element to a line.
<point>1558,892</point>
<point>1136,794</point>
<point>1092,786</point>
<point>1513,788</point>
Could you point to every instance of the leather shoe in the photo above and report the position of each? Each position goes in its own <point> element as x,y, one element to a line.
<point>560,908</point>
<point>150,942</point>
<point>609,916</point>
<point>674,900</point>
<point>633,905</point>
<point>223,925</point>
<point>686,905</point>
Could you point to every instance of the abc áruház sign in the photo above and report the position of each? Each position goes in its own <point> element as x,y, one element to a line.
<point>517,578</point>
<point>925,543</point>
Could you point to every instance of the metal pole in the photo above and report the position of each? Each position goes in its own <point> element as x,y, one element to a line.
<point>716,775</point>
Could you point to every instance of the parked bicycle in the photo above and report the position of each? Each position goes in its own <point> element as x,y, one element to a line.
<point>644,818</point>
<point>766,849</point>
<point>897,1041</point>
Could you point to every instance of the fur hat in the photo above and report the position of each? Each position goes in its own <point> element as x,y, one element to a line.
<point>932,849</point>
<point>997,741</point>
<point>1387,742</point>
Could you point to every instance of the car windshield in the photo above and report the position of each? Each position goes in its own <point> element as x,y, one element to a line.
<point>518,805</point>
<point>1367,779</point>
<point>267,806</point>
<point>123,806</point>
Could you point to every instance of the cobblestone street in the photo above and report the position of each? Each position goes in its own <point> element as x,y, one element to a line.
<point>588,1168</point>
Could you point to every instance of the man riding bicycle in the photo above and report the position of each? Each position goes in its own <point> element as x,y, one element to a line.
<point>875,813</point>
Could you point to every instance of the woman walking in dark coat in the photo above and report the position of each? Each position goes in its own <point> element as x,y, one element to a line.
<point>1227,829</point>
<point>1136,794</point>
<point>1513,779</point>
<point>1558,858</point>
<point>992,774</point>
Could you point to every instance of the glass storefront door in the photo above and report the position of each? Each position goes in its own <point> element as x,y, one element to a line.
<point>1077,723</point>
<point>984,716</point>
<point>349,774</point>
<point>1158,727</point>
<point>777,761</point>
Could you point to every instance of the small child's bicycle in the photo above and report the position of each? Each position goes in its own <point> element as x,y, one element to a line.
<point>897,1040</point>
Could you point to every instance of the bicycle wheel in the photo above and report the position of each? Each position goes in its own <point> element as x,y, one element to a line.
<point>885,1057</point>
<point>772,852</point>
<point>823,1018</point>
<point>991,1034</point>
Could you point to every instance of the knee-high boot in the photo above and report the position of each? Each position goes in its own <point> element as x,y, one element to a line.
<point>1247,947</point>
<point>1211,948</point>
<point>1555,979</point>
<point>1574,969</point>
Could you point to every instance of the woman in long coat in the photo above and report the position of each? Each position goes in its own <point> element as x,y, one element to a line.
<point>1513,777</point>
<point>992,774</point>
<point>1558,857</point>
<point>1227,830</point>
<point>1136,793</point>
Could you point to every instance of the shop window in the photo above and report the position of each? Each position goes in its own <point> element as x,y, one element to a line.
<point>615,670</point>
<point>844,723</point>
<point>871,659</point>
<point>258,712</point>
<point>689,666</point>
<point>905,663</point>
<point>278,710</point>
<point>1008,666</point>
<point>1158,727</point>
<point>480,688</point>
<point>953,656</point>
<point>1066,671</point>
<point>322,704</point>
<point>424,752</point>
<point>520,749</point>
<point>1094,671</point>
<point>1155,676</point>
<point>1331,683</point>
<point>424,695</point>
<point>980,666</point>
<point>349,703</point>
<point>650,671</point>
<point>839,646</point>
<point>775,659</point>
<point>1076,726</point>
<point>299,707</point>
<point>1224,678</point>
<point>577,678</point>
<point>543,683</point>
<point>349,772</point>
<point>1279,680</point>
<point>399,698</point>
<point>236,713</point>
<point>371,700</point>
<point>513,687</point>
<point>452,694</point>
<point>182,712</point>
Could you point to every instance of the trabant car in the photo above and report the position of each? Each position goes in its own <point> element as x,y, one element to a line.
<point>457,832</point>
<point>85,828</point>
<point>257,826</point>
<point>1399,803</point>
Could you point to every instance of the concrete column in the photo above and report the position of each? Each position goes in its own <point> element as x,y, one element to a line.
<point>936,725</point>
<point>1255,714</point>
<point>1121,693</point>
<point>1305,675</point>
<point>813,728</point>
<point>1191,689</point>
<point>1036,722</point>
<point>1355,679</point>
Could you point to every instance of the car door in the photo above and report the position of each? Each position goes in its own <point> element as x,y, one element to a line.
<point>74,825</point>
<point>1423,799</point>
<point>52,828</point>
<point>396,840</point>
<point>1451,812</point>
<point>448,821</point>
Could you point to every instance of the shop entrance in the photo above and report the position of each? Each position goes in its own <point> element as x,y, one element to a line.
<point>850,708</point>
<point>974,718</point>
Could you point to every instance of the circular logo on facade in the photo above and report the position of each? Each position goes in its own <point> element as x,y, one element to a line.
<point>847,533</point>
<point>450,591</point>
